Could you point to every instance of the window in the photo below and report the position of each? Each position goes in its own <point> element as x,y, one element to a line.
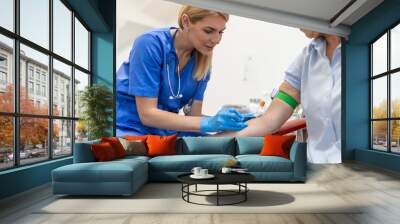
<point>81,81</point>
<point>44,91</point>
<point>55,100</point>
<point>43,77</point>
<point>385,94</point>
<point>34,21</point>
<point>3,78</point>
<point>38,89</point>
<point>37,74</point>
<point>62,29</point>
<point>81,45</point>
<point>30,72</point>
<point>7,14</point>
<point>30,87</point>
<point>54,125</point>
<point>7,74</point>
<point>62,75</point>
<point>3,72</point>
<point>62,129</point>
<point>3,61</point>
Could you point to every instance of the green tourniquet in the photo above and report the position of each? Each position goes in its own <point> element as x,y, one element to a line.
<point>287,99</point>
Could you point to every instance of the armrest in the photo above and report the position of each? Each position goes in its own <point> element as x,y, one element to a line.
<point>298,155</point>
<point>83,152</point>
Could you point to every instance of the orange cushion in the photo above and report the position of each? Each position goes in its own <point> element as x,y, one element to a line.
<point>103,151</point>
<point>141,138</point>
<point>161,145</point>
<point>277,145</point>
<point>116,145</point>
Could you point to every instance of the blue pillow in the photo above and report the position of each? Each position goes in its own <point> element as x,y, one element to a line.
<point>249,145</point>
<point>207,145</point>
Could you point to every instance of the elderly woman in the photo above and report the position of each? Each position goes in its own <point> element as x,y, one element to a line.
<point>314,80</point>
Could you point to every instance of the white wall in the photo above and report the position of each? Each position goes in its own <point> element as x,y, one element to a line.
<point>137,16</point>
<point>250,59</point>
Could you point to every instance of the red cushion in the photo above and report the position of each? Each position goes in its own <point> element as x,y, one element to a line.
<point>103,151</point>
<point>116,145</point>
<point>277,145</point>
<point>291,125</point>
<point>161,145</point>
<point>141,138</point>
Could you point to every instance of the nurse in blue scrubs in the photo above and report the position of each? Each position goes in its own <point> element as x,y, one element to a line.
<point>168,69</point>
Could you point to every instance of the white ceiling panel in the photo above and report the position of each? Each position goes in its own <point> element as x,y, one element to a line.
<point>327,16</point>
<point>321,9</point>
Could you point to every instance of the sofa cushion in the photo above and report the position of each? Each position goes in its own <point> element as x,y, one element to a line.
<point>161,145</point>
<point>116,145</point>
<point>206,145</point>
<point>185,163</point>
<point>257,163</point>
<point>142,138</point>
<point>277,145</point>
<point>132,158</point>
<point>112,171</point>
<point>103,152</point>
<point>134,147</point>
<point>249,145</point>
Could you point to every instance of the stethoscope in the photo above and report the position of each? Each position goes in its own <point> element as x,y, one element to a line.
<point>178,95</point>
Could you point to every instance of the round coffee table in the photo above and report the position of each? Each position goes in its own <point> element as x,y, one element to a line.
<point>238,179</point>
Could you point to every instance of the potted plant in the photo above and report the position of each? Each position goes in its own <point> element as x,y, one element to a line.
<point>96,102</point>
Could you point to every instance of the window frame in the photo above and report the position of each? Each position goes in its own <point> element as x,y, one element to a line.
<point>51,118</point>
<point>388,74</point>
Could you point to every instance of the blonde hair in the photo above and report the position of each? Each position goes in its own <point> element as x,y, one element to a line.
<point>203,62</point>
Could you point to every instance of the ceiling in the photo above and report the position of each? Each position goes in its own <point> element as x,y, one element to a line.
<point>327,16</point>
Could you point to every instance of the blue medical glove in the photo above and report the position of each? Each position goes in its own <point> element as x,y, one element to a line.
<point>227,119</point>
<point>248,116</point>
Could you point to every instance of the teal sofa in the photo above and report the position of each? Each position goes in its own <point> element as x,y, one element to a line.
<point>125,176</point>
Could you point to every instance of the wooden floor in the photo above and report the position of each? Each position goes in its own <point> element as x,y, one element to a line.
<point>378,188</point>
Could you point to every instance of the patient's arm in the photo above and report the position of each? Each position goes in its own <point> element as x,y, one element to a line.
<point>277,113</point>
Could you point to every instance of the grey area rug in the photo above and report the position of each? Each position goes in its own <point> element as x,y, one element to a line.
<point>166,198</point>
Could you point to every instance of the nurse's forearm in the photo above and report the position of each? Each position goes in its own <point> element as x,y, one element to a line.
<point>275,116</point>
<point>171,121</point>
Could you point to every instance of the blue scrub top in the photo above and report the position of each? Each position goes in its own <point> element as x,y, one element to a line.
<point>145,74</point>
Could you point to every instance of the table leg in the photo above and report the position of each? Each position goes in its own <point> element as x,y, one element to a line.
<point>188,190</point>
<point>245,193</point>
<point>217,194</point>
